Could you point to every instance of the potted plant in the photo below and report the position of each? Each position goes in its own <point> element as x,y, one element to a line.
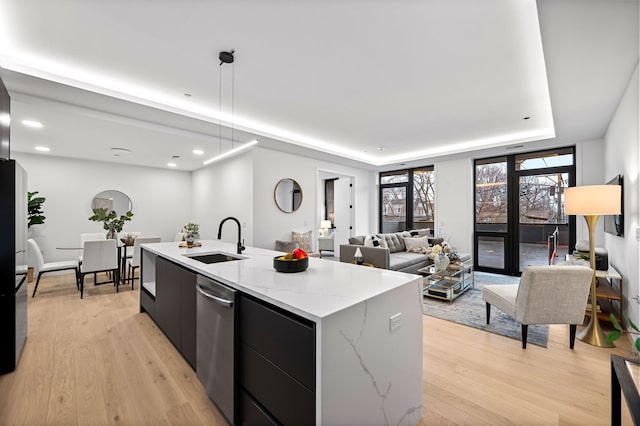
<point>191,232</point>
<point>110,220</point>
<point>35,216</point>
<point>618,332</point>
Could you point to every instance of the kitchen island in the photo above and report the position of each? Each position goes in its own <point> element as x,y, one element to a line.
<point>358,328</point>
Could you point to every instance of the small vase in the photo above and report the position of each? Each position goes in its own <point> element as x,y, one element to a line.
<point>441,262</point>
<point>111,234</point>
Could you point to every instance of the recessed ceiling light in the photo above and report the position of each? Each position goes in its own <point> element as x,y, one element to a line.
<point>120,151</point>
<point>175,157</point>
<point>198,151</point>
<point>171,164</point>
<point>42,148</point>
<point>526,118</point>
<point>381,148</point>
<point>187,95</point>
<point>32,123</point>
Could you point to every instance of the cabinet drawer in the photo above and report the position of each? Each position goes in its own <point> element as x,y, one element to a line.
<point>251,413</point>
<point>286,399</point>
<point>148,303</point>
<point>285,340</point>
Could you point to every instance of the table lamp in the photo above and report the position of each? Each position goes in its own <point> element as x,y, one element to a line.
<point>591,202</point>
<point>325,225</point>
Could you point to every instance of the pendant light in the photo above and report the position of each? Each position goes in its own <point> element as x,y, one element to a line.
<point>227,58</point>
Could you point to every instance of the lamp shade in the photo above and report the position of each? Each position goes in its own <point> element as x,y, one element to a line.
<point>325,224</point>
<point>592,200</point>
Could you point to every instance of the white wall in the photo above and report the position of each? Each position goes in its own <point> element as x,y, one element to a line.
<point>622,156</point>
<point>223,189</point>
<point>161,199</point>
<point>589,171</point>
<point>271,224</point>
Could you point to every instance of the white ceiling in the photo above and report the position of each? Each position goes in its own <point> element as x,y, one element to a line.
<point>419,79</point>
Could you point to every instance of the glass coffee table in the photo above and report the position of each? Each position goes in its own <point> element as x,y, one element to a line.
<point>448,284</point>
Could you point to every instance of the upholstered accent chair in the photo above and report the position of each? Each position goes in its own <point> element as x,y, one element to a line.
<point>545,295</point>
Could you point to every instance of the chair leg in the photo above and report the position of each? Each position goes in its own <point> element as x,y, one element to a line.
<point>133,276</point>
<point>572,335</point>
<point>488,311</point>
<point>77,278</point>
<point>37,282</point>
<point>117,279</point>
<point>525,328</point>
<point>82,284</point>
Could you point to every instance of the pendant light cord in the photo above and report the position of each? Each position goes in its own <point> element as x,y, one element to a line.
<point>220,110</point>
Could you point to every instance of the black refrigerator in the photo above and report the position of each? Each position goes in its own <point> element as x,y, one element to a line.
<point>13,264</point>
<point>13,247</point>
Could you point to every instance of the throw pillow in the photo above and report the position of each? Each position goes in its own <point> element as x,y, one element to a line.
<point>374,241</point>
<point>414,243</point>
<point>303,239</point>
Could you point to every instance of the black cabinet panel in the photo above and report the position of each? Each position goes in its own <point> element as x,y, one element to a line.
<point>167,301</point>
<point>285,398</point>
<point>285,339</point>
<point>188,316</point>
<point>251,414</point>
<point>175,306</point>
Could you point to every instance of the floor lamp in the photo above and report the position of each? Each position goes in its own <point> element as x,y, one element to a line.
<point>591,202</point>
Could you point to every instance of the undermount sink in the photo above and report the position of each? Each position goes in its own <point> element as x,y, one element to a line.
<point>214,257</point>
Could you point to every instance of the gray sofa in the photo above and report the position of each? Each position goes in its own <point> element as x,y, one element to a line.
<point>395,257</point>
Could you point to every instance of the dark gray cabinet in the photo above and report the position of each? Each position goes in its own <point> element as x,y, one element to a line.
<point>277,365</point>
<point>175,306</point>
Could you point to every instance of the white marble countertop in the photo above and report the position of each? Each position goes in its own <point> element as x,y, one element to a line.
<point>325,288</point>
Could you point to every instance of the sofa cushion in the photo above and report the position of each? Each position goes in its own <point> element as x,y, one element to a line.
<point>374,241</point>
<point>416,244</point>
<point>426,232</point>
<point>395,241</point>
<point>303,239</point>
<point>401,260</point>
<point>357,240</point>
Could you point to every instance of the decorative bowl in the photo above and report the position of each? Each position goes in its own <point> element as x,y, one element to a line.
<point>293,265</point>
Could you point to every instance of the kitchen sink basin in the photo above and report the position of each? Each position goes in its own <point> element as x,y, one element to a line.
<point>214,257</point>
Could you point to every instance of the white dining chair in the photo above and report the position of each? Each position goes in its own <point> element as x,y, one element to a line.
<point>100,256</point>
<point>42,268</point>
<point>134,262</point>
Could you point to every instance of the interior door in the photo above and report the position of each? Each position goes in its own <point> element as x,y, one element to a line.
<point>343,208</point>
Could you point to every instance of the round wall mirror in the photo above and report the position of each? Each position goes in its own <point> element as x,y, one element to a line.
<point>112,200</point>
<point>288,195</point>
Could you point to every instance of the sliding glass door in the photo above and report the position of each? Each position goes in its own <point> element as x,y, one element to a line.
<point>519,210</point>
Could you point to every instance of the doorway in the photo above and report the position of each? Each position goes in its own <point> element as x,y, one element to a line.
<point>336,204</point>
<point>519,210</point>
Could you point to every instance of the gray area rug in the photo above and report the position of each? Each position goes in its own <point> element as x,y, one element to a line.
<point>469,309</point>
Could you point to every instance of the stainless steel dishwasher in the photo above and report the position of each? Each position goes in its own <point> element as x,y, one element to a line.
<point>215,343</point>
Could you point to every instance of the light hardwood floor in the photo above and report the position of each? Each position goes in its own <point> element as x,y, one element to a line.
<point>99,361</point>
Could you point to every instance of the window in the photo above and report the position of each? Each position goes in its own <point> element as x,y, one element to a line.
<point>407,199</point>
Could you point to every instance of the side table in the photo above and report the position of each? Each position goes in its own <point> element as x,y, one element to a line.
<point>625,378</point>
<point>450,283</point>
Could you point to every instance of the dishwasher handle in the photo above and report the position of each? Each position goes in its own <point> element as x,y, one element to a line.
<point>215,299</point>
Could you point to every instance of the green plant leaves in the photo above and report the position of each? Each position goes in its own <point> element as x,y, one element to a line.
<point>613,336</point>
<point>635,327</point>
<point>615,323</point>
<point>110,220</point>
<point>34,209</point>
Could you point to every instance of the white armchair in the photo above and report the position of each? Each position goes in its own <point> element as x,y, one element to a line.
<point>545,295</point>
<point>325,243</point>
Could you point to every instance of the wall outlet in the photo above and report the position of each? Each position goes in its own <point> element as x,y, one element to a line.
<point>395,321</point>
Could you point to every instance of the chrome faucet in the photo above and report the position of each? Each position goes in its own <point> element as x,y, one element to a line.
<point>240,240</point>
